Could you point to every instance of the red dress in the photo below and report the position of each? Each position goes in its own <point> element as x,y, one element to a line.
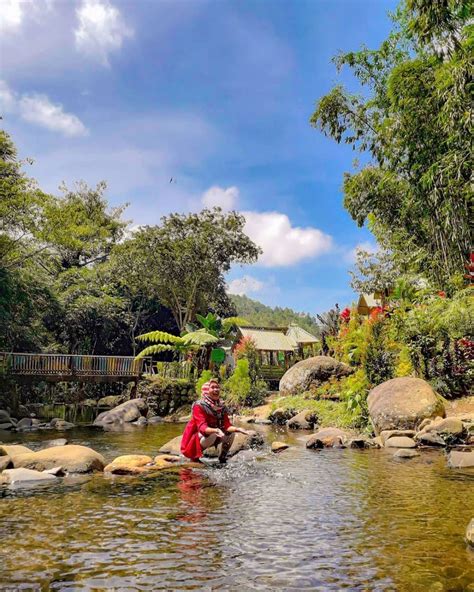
<point>194,430</point>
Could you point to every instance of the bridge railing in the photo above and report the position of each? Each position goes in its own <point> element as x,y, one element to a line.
<point>27,364</point>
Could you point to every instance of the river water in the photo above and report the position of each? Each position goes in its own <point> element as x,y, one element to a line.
<point>300,520</point>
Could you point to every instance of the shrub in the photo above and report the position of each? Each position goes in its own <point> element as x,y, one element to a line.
<point>238,387</point>
<point>206,375</point>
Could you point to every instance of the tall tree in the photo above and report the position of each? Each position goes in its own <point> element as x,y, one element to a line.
<point>414,121</point>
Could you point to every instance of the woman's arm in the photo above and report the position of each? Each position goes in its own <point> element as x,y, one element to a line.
<point>234,429</point>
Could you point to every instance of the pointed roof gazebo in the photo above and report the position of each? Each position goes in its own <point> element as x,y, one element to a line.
<point>300,336</point>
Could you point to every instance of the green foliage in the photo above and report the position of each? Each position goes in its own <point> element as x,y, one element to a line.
<point>238,387</point>
<point>379,360</point>
<point>256,313</point>
<point>205,376</point>
<point>413,119</point>
<point>329,413</point>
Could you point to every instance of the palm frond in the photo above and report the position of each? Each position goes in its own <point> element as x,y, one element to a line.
<point>230,322</point>
<point>160,336</point>
<point>199,338</point>
<point>155,349</point>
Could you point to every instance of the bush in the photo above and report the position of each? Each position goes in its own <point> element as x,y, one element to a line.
<point>206,375</point>
<point>238,387</point>
<point>329,413</point>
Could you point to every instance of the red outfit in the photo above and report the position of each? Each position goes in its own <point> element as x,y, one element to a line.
<point>195,430</point>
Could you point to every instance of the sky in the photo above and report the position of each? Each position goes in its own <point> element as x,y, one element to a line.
<point>214,96</point>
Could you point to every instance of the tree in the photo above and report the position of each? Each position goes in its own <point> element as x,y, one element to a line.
<point>413,120</point>
<point>183,261</point>
<point>376,272</point>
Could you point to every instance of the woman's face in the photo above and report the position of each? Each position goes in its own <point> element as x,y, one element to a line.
<point>214,390</point>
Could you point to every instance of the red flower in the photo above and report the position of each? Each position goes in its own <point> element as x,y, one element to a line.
<point>442,294</point>
<point>375,314</point>
<point>345,315</point>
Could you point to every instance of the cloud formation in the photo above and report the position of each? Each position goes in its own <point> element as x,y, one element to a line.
<point>11,15</point>
<point>101,29</point>
<point>245,285</point>
<point>282,243</point>
<point>39,110</point>
<point>218,196</point>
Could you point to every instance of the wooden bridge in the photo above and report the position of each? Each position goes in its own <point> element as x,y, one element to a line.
<point>72,367</point>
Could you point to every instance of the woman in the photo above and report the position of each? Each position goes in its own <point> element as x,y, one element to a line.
<point>209,425</point>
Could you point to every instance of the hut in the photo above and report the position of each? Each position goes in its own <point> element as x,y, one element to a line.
<point>303,340</point>
<point>368,302</point>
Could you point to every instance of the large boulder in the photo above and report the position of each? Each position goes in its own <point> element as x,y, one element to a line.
<point>241,442</point>
<point>172,447</point>
<point>124,413</point>
<point>305,420</point>
<point>5,462</point>
<point>310,373</point>
<point>403,403</point>
<point>72,458</point>
<point>13,450</point>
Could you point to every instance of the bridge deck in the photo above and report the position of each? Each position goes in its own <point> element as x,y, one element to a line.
<point>79,368</point>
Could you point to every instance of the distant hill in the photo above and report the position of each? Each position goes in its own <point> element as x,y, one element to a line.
<point>257,313</point>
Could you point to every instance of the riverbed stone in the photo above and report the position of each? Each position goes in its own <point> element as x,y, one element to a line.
<point>111,401</point>
<point>386,434</point>
<point>360,442</point>
<point>451,426</point>
<point>172,447</point>
<point>6,426</point>
<point>5,462</point>
<point>25,422</point>
<point>327,438</point>
<point>154,419</point>
<point>279,446</point>
<point>461,460</point>
<point>128,464</point>
<point>280,416</point>
<point>61,424</point>
<point>470,533</point>
<point>73,458</point>
<point>141,421</point>
<point>400,442</point>
<point>310,373</point>
<point>430,439</point>
<point>22,475</point>
<point>55,442</point>
<point>251,440</point>
<point>13,450</point>
<point>4,416</point>
<point>305,420</point>
<point>405,453</point>
<point>403,403</point>
<point>125,413</point>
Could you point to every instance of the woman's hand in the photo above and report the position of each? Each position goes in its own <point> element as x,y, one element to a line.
<point>219,433</point>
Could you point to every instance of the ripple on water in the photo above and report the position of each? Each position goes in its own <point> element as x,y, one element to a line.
<point>302,520</point>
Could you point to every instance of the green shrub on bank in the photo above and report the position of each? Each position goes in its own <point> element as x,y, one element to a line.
<point>329,413</point>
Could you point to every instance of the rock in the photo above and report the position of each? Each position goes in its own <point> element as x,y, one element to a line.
<point>124,413</point>
<point>280,416</point>
<point>61,424</point>
<point>327,438</point>
<point>26,422</point>
<point>310,373</point>
<point>13,451</point>
<point>56,442</point>
<point>111,401</point>
<point>14,476</point>
<point>90,403</point>
<point>6,426</point>
<point>260,421</point>
<point>406,453</point>
<point>461,460</point>
<point>184,418</point>
<point>72,458</point>
<point>279,446</point>
<point>4,416</point>
<point>141,421</point>
<point>172,447</point>
<point>470,533</point>
<point>154,419</point>
<point>386,434</point>
<point>430,439</point>
<point>241,442</point>
<point>360,442</point>
<point>403,403</point>
<point>449,426</point>
<point>128,464</point>
<point>305,420</point>
<point>22,412</point>
<point>5,462</point>
<point>56,471</point>
<point>378,441</point>
<point>400,442</point>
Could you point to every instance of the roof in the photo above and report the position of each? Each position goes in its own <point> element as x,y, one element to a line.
<point>268,339</point>
<point>299,335</point>
<point>369,300</point>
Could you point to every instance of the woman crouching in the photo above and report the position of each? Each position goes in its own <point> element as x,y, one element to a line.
<point>209,425</point>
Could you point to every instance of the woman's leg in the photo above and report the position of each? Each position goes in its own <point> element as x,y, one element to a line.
<point>226,444</point>
<point>208,441</point>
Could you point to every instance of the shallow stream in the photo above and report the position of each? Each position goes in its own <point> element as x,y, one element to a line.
<point>300,520</point>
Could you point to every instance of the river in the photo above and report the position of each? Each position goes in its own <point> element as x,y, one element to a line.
<point>300,520</point>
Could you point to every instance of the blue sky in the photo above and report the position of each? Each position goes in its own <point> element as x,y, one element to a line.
<point>216,95</point>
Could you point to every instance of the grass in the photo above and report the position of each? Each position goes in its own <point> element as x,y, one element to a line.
<point>329,413</point>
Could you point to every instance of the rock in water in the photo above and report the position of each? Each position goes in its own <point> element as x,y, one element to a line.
<point>72,458</point>
<point>430,439</point>
<point>13,476</point>
<point>280,416</point>
<point>406,453</point>
<point>172,447</point>
<point>279,446</point>
<point>13,451</point>
<point>327,438</point>
<point>124,413</point>
<point>305,420</point>
<point>400,442</point>
<point>128,464</point>
<point>470,533</point>
<point>310,373</point>
<point>5,462</point>
<point>402,403</point>
<point>461,460</point>
<point>61,424</point>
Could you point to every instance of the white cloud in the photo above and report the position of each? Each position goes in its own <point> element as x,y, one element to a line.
<point>11,15</point>
<point>101,29</point>
<point>39,110</point>
<point>282,243</point>
<point>245,285</point>
<point>218,196</point>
